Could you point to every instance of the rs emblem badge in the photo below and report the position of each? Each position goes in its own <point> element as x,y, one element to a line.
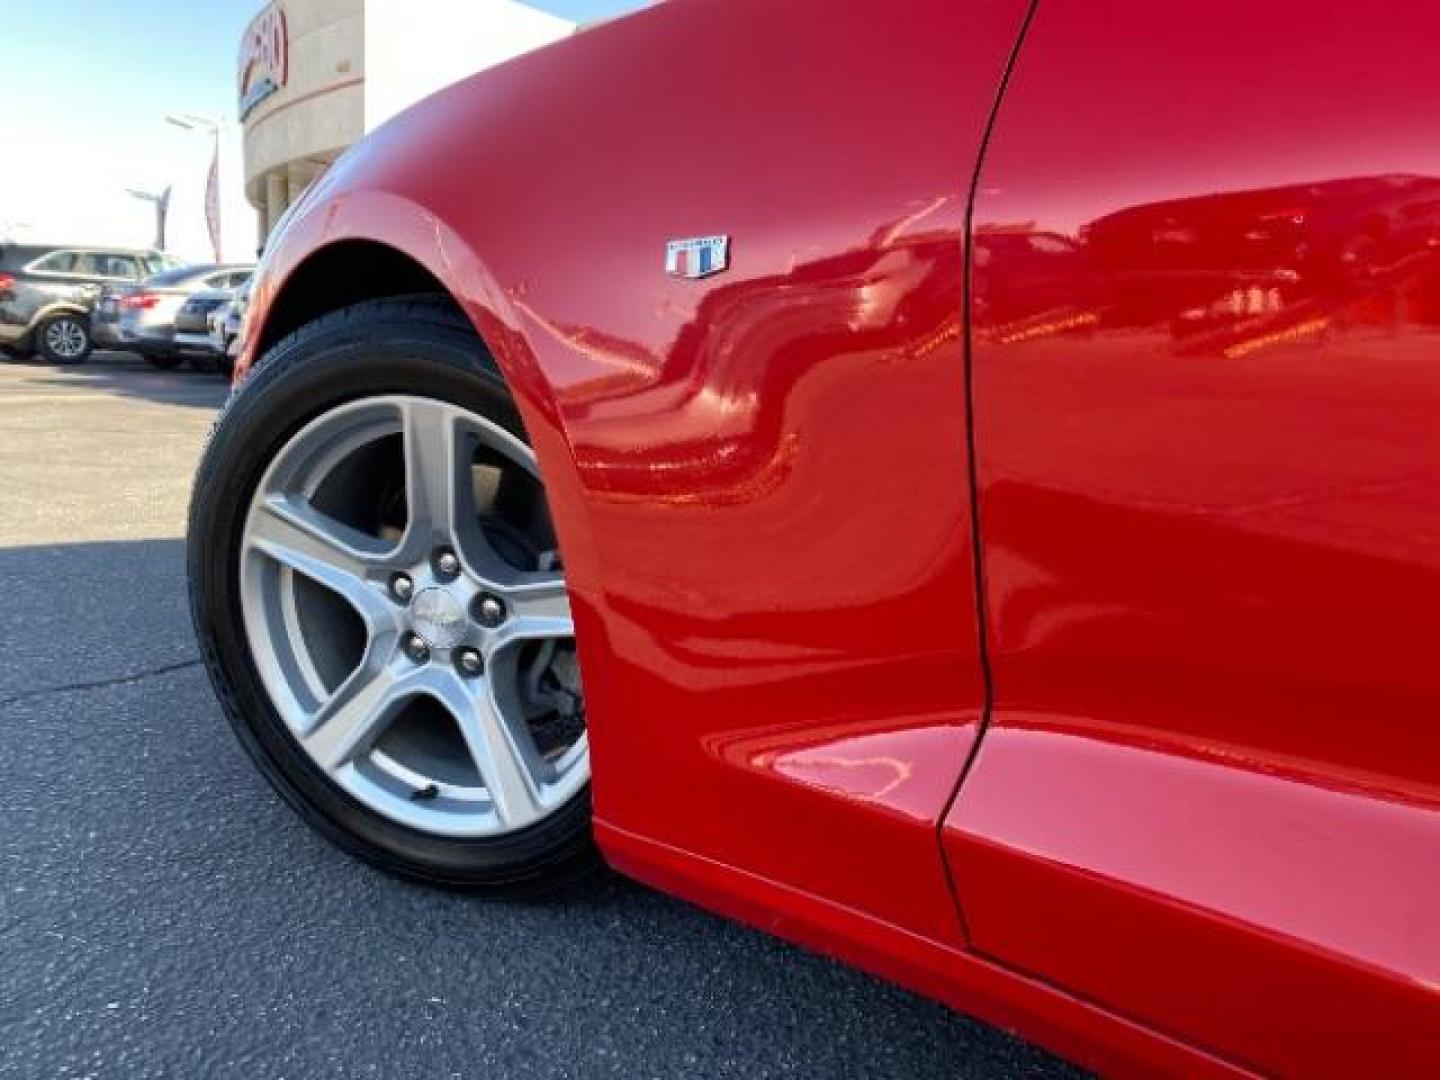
<point>698,257</point>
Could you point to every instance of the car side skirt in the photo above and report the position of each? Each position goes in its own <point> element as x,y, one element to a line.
<point>1065,1024</point>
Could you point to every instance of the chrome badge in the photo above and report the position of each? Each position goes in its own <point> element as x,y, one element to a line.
<point>697,257</point>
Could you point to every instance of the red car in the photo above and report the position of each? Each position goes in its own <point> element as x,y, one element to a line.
<point>1051,625</point>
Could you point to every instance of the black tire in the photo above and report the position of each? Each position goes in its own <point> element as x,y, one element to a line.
<point>163,361</point>
<point>414,346</point>
<point>205,365</point>
<point>80,325</point>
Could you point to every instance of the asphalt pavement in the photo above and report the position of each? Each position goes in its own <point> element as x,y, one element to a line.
<point>162,914</point>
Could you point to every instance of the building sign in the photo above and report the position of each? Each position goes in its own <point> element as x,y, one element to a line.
<point>264,59</point>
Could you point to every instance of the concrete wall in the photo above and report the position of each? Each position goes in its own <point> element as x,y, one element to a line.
<point>293,133</point>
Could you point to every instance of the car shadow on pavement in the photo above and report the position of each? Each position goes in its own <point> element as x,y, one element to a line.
<point>163,911</point>
<point>128,375</point>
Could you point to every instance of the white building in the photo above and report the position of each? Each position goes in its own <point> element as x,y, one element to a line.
<point>316,75</point>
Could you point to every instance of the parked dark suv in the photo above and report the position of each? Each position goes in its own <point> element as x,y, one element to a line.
<point>47,292</point>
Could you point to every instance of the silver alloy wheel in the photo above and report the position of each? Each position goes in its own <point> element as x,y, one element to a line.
<point>413,675</point>
<point>65,338</point>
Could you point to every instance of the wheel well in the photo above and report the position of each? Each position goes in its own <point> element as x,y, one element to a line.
<point>60,307</point>
<point>341,274</point>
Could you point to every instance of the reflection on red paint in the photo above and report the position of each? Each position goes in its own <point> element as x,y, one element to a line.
<point>1225,274</point>
<point>898,766</point>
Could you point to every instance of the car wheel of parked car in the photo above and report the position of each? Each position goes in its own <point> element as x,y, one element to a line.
<point>63,339</point>
<point>381,605</point>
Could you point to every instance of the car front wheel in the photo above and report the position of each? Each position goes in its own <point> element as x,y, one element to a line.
<point>63,339</point>
<point>382,607</point>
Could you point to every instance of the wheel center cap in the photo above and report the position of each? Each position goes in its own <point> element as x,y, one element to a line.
<point>438,618</point>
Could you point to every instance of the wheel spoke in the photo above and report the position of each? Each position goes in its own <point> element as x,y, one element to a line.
<point>353,716</point>
<point>497,749</point>
<point>539,611</point>
<point>342,559</point>
<point>437,481</point>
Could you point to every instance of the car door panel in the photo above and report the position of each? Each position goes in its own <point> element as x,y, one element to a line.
<point>1209,497</point>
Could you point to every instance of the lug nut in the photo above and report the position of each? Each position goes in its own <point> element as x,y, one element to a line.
<point>447,562</point>
<point>416,649</point>
<point>469,662</point>
<point>490,610</point>
<point>402,588</point>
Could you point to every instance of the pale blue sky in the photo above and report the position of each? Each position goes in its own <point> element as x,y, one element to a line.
<point>583,10</point>
<point>88,84</point>
<point>108,58</point>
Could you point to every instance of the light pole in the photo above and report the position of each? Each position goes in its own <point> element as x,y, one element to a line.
<point>214,127</point>
<point>161,201</point>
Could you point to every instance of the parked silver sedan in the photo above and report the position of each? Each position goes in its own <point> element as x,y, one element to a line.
<point>225,324</point>
<point>143,317</point>
<point>192,327</point>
